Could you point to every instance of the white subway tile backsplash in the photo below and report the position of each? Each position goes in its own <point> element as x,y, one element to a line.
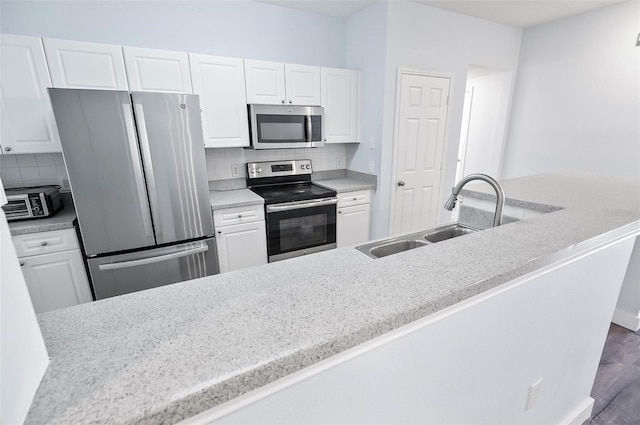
<point>45,160</point>
<point>32,169</point>
<point>8,161</point>
<point>28,160</point>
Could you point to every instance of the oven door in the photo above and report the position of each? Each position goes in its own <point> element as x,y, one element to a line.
<point>296,229</point>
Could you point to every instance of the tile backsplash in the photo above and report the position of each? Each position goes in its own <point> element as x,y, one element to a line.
<point>33,170</point>
<point>220,162</point>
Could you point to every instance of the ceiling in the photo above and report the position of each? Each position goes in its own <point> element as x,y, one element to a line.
<point>517,13</point>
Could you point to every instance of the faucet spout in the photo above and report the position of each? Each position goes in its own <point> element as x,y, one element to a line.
<point>451,202</point>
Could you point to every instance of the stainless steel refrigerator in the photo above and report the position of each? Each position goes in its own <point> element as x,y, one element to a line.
<point>138,177</point>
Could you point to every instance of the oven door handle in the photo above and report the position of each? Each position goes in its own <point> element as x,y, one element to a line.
<point>289,207</point>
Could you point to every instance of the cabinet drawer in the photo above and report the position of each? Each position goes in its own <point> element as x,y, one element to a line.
<point>45,242</point>
<point>238,215</point>
<point>347,199</point>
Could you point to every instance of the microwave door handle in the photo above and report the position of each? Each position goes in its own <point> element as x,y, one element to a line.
<point>137,170</point>
<point>309,128</point>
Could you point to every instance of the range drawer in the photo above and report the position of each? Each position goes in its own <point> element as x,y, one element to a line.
<point>238,215</point>
<point>347,199</point>
<point>45,242</point>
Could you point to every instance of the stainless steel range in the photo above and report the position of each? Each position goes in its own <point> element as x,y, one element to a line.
<point>301,216</point>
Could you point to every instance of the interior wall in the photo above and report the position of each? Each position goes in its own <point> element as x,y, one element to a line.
<point>487,121</point>
<point>23,356</point>
<point>244,29</point>
<point>577,97</point>
<point>431,39</point>
<point>365,41</point>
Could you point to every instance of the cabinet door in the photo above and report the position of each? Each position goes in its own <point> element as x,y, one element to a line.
<point>265,82</point>
<point>83,65</point>
<point>56,280</point>
<point>154,70</point>
<point>27,123</point>
<point>302,84</point>
<point>241,245</point>
<point>340,98</point>
<point>220,84</point>
<point>353,225</point>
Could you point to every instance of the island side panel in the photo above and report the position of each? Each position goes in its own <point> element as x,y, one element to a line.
<point>627,313</point>
<point>471,363</point>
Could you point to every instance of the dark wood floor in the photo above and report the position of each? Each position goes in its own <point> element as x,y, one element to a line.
<point>616,390</point>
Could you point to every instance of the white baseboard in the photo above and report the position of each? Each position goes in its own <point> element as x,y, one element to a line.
<point>580,414</point>
<point>626,320</point>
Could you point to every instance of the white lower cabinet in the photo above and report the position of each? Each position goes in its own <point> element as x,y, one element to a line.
<point>241,237</point>
<point>55,273</point>
<point>354,217</point>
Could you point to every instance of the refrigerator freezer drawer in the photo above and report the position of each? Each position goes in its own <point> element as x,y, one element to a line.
<point>125,273</point>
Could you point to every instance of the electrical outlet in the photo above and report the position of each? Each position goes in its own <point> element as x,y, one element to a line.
<point>534,391</point>
<point>372,166</point>
<point>235,170</point>
<point>338,163</point>
<point>372,142</point>
<point>65,183</point>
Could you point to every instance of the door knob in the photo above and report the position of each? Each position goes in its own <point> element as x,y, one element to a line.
<point>400,183</point>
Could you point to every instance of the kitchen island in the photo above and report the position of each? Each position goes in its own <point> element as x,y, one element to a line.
<point>166,354</point>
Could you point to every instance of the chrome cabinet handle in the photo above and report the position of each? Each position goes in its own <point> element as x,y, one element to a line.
<point>44,243</point>
<point>400,183</point>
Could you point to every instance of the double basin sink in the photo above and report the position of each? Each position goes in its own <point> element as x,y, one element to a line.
<point>414,240</point>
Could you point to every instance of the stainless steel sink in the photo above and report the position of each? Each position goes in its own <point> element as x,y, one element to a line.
<point>403,243</point>
<point>449,232</point>
<point>395,247</point>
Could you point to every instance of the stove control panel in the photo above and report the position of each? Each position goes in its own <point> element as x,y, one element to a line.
<point>278,168</point>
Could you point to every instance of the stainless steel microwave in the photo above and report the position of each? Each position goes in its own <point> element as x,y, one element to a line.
<point>282,126</point>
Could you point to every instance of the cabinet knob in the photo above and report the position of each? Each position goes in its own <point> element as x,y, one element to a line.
<point>339,212</point>
<point>21,263</point>
<point>282,100</point>
<point>355,199</point>
<point>219,232</point>
<point>7,148</point>
<point>290,101</point>
<point>44,243</point>
<point>239,215</point>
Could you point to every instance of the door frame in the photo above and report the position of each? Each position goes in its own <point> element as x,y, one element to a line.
<point>396,116</point>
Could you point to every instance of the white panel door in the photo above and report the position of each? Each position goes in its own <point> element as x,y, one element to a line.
<point>28,125</point>
<point>56,280</point>
<point>302,84</point>
<point>265,82</point>
<point>83,65</point>
<point>352,225</point>
<point>241,245</point>
<point>340,99</point>
<point>157,70</point>
<point>419,144</point>
<point>220,84</point>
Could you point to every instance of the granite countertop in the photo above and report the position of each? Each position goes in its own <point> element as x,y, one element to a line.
<point>62,219</point>
<point>345,184</point>
<point>165,354</point>
<point>233,198</point>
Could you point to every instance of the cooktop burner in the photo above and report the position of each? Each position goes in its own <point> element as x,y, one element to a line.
<point>278,194</point>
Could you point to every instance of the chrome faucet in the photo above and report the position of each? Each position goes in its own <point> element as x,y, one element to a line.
<point>497,218</point>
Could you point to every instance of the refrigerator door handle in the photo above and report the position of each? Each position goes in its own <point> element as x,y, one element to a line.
<point>151,260</point>
<point>148,167</point>
<point>136,162</point>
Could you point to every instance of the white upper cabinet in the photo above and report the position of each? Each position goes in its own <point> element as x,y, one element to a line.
<point>220,83</point>
<point>27,123</point>
<point>340,99</point>
<point>83,65</point>
<point>302,84</point>
<point>157,70</point>
<point>278,83</point>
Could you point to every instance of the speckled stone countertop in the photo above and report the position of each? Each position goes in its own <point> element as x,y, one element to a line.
<point>62,219</point>
<point>345,184</point>
<point>165,354</point>
<point>233,198</point>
